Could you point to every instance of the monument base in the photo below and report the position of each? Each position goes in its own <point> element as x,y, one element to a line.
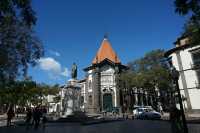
<point>71,101</point>
<point>76,116</point>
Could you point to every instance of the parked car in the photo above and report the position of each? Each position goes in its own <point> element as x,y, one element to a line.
<point>145,113</point>
<point>150,115</point>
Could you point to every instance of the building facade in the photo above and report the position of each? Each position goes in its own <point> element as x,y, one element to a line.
<point>99,89</point>
<point>186,59</point>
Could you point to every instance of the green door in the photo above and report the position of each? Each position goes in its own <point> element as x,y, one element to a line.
<point>107,102</point>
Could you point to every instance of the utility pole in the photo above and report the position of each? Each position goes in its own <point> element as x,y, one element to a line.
<point>175,75</point>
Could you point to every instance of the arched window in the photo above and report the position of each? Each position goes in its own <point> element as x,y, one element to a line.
<point>90,85</point>
<point>90,100</point>
<point>82,101</point>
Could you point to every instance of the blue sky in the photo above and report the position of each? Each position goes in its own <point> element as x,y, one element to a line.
<point>72,31</point>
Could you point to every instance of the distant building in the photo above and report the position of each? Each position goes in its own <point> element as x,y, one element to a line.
<point>186,59</point>
<point>52,105</point>
<point>99,90</point>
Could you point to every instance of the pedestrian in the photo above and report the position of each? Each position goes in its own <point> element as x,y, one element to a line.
<point>105,112</point>
<point>44,118</point>
<point>161,110</point>
<point>114,113</point>
<point>33,116</point>
<point>36,117</point>
<point>10,115</point>
<point>28,117</point>
<point>123,111</point>
<point>175,118</point>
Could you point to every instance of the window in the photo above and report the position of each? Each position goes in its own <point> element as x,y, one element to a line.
<point>196,58</point>
<point>90,85</point>
<point>106,79</point>
<point>90,100</point>
<point>82,101</point>
<point>198,75</point>
<point>196,62</point>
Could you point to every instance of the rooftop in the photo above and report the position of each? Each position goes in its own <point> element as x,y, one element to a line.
<point>105,52</point>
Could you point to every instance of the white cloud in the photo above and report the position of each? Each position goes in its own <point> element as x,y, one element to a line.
<point>55,53</point>
<point>52,67</point>
<point>49,64</point>
<point>66,72</point>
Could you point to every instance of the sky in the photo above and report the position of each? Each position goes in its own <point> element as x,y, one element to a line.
<point>72,31</point>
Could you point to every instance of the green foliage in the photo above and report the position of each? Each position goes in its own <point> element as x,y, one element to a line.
<point>147,72</point>
<point>24,93</point>
<point>17,10</point>
<point>192,27</point>
<point>19,46</point>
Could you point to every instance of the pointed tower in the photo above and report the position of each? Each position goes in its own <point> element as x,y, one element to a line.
<point>106,52</point>
<point>101,90</point>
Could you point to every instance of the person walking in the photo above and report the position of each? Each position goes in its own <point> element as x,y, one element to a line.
<point>44,118</point>
<point>36,117</point>
<point>176,122</point>
<point>10,115</point>
<point>28,117</point>
<point>123,112</point>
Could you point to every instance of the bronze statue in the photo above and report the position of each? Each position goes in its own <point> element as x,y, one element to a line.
<point>74,71</point>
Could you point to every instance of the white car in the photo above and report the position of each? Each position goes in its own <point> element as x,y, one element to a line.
<point>145,113</point>
<point>139,110</point>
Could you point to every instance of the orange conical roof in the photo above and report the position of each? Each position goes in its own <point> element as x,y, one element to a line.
<point>105,52</point>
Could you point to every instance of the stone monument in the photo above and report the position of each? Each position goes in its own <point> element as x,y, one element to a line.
<point>72,95</point>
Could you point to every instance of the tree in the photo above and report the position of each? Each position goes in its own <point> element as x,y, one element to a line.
<point>192,27</point>
<point>148,73</point>
<point>150,70</point>
<point>25,93</point>
<point>17,93</point>
<point>19,46</point>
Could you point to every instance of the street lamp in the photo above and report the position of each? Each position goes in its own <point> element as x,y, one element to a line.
<point>175,76</point>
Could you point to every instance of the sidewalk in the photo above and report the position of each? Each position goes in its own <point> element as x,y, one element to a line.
<point>3,116</point>
<point>191,118</point>
<point>3,120</point>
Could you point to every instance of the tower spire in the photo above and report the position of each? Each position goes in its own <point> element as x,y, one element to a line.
<point>106,35</point>
<point>105,52</point>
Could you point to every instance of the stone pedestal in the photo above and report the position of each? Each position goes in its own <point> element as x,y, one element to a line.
<point>71,101</point>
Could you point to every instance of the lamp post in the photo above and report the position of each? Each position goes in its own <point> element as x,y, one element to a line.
<point>175,76</point>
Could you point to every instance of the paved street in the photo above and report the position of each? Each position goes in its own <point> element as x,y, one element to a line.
<point>136,126</point>
<point>16,119</point>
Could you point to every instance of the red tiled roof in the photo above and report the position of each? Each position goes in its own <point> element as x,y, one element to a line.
<point>105,52</point>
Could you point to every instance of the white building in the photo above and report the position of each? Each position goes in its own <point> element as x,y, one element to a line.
<point>99,87</point>
<point>52,106</point>
<point>186,59</point>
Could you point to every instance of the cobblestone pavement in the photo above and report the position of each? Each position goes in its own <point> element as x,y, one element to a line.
<point>136,126</point>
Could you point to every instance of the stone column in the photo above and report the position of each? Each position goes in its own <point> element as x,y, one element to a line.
<point>116,82</point>
<point>117,97</point>
<point>96,92</point>
<point>146,96</point>
<point>86,103</point>
<point>158,98</point>
<point>141,96</point>
<point>151,99</point>
<point>136,97</point>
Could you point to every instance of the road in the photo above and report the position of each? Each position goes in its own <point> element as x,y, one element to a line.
<point>129,126</point>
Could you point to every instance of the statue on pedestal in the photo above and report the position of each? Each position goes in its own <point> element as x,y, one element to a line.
<point>74,71</point>
<point>72,94</point>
